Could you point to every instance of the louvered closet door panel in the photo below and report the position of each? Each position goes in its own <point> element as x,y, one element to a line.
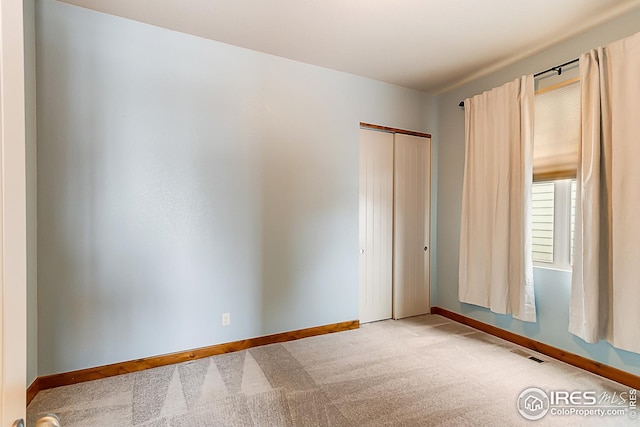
<point>376,225</point>
<point>411,230</point>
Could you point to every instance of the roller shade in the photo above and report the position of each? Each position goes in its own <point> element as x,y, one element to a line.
<point>556,132</point>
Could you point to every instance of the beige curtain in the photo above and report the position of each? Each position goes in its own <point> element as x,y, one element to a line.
<point>496,268</point>
<point>605,286</point>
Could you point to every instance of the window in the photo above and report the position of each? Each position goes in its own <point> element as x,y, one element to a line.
<point>556,140</point>
<point>542,220</point>
<point>553,217</point>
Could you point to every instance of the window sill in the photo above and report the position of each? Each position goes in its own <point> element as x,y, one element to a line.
<point>566,269</point>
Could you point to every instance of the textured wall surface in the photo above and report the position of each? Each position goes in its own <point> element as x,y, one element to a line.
<point>180,178</point>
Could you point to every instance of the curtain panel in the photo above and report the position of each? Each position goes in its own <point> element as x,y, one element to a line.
<point>496,267</point>
<point>605,285</point>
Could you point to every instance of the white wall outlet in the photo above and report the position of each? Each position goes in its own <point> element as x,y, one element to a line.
<point>226,319</point>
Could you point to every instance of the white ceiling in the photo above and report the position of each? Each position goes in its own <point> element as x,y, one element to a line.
<point>429,45</point>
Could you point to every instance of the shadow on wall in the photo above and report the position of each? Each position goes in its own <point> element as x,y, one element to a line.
<point>502,321</point>
<point>302,211</point>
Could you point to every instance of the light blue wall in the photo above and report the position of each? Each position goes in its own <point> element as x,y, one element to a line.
<point>552,287</point>
<point>180,178</point>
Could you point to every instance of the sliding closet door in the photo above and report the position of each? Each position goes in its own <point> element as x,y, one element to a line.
<point>376,225</point>
<point>412,190</point>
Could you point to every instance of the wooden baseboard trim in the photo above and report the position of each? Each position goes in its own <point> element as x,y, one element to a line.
<point>99,372</point>
<point>597,368</point>
<point>33,389</point>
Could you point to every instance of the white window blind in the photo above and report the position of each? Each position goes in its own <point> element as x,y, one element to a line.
<point>556,132</point>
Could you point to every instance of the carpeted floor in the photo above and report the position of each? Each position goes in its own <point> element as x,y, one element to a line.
<point>422,371</point>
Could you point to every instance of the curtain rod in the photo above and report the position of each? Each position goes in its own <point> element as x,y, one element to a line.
<point>557,69</point>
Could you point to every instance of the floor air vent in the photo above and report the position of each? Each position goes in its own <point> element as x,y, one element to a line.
<point>535,359</point>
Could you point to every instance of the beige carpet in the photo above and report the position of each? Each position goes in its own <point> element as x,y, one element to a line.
<point>422,371</point>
